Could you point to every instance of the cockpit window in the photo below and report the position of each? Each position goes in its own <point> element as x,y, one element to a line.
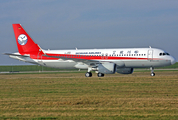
<point>167,54</point>
<point>163,54</point>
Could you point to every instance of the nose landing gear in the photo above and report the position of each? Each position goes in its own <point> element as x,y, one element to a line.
<point>152,71</point>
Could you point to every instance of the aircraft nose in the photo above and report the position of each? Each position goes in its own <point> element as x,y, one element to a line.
<point>173,60</point>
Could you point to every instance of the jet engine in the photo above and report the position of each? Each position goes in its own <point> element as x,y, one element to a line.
<point>125,70</point>
<point>106,68</point>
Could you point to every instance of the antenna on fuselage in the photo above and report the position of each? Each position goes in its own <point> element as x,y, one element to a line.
<point>149,46</point>
<point>76,49</point>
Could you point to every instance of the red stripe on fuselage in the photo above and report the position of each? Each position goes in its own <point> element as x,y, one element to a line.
<point>86,57</point>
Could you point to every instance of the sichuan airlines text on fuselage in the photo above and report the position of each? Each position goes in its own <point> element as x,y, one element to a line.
<point>102,61</point>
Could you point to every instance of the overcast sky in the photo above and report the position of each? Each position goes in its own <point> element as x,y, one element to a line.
<point>66,24</point>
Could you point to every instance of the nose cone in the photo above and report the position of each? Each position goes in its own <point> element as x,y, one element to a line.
<point>173,60</point>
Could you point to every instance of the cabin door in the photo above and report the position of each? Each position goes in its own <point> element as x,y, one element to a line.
<point>150,54</point>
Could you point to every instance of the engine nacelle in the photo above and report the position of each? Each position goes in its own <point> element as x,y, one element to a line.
<point>107,68</point>
<point>125,70</point>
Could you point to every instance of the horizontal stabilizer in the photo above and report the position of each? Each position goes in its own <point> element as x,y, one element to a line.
<point>16,54</point>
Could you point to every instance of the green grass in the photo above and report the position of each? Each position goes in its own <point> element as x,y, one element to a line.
<point>73,96</point>
<point>21,68</point>
<point>40,68</point>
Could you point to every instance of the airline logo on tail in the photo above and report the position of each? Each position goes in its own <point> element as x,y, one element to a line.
<point>22,39</point>
<point>24,42</point>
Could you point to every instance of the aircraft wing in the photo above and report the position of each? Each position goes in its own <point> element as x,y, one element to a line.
<point>88,62</point>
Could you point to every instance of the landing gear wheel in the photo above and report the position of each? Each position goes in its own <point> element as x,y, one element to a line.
<point>100,75</point>
<point>153,74</point>
<point>88,74</point>
<point>152,71</point>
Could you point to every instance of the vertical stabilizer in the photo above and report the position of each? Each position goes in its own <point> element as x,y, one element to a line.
<point>24,42</point>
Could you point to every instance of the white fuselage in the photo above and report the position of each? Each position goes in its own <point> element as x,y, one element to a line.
<point>102,61</point>
<point>123,58</point>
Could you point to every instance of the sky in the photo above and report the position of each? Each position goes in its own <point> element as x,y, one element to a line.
<point>67,24</point>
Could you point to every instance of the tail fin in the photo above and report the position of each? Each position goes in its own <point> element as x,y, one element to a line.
<point>24,42</point>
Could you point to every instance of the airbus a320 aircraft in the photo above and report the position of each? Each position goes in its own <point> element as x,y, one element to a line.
<point>102,61</point>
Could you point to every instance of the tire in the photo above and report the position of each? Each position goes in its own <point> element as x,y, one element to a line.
<point>153,74</point>
<point>100,75</point>
<point>88,74</point>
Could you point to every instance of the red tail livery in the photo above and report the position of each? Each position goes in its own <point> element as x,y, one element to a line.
<point>24,42</point>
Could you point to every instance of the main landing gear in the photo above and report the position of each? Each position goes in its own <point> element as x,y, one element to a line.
<point>152,71</point>
<point>89,74</point>
<point>100,75</point>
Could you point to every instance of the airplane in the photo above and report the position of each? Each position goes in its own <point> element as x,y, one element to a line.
<point>102,61</point>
